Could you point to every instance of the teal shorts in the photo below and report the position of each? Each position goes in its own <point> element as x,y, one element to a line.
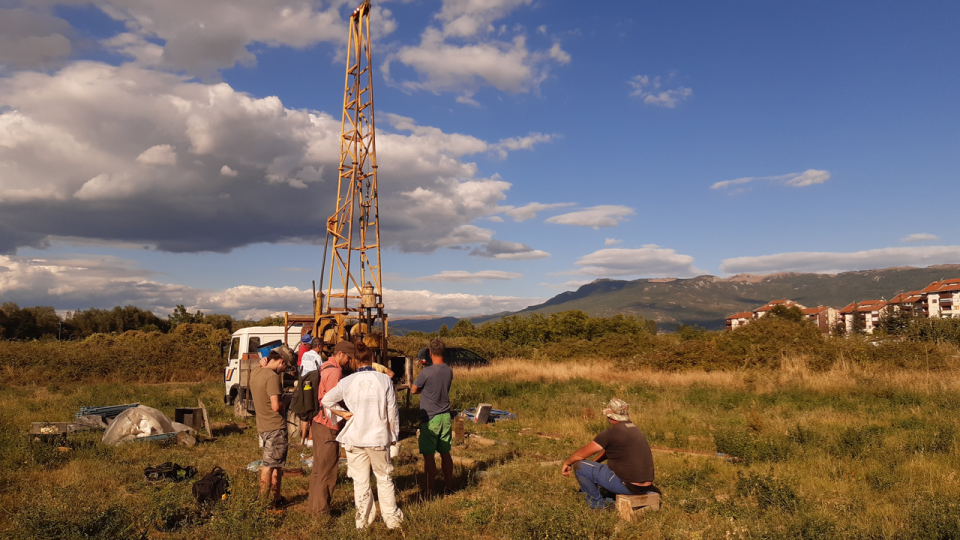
<point>436,435</point>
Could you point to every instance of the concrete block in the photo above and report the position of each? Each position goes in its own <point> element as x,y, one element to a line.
<point>483,413</point>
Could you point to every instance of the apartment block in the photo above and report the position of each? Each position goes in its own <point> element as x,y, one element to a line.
<point>868,311</point>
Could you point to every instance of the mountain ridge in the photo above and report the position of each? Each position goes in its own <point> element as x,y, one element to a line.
<point>706,300</point>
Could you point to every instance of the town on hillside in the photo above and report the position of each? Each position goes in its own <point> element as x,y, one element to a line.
<point>939,299</point>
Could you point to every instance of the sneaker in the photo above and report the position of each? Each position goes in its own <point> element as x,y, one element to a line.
<point>281,503</point>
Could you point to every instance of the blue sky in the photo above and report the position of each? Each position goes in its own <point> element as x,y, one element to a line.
<point>163,153</point>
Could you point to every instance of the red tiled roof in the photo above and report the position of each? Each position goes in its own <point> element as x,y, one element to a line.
<point>866,305</point>
<point>942,286</point>
<point>769,305</point>
<point>743,315</point>
<point>906,298</point>
<point>814,310</point>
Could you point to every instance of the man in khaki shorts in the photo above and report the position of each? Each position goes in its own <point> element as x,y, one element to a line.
<point>271,426</point>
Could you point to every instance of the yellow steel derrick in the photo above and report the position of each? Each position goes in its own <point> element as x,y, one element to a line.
<point>353,299</point>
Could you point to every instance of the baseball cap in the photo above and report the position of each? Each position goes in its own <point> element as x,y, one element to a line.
<point>346,348</point>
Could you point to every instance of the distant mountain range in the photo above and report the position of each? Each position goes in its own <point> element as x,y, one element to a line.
<point>707,300</point>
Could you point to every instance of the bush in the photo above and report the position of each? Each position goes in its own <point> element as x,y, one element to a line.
<point>752,448</point>
<point>70,515</point>
<point>764,343</point>
<point>937,439</point>
<point>131,356</point>
<point>770,492</point>
<point>856,442</point>
<point>244,514</point>
<point>932,517</point>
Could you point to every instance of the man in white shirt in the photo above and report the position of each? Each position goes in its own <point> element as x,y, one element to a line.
<point>372,427</point>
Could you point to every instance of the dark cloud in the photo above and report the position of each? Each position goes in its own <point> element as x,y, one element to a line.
<point>149,157</point>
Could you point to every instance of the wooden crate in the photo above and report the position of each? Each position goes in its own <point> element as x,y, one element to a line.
<point>628,505</point>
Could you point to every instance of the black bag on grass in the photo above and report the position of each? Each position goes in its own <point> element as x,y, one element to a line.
<point>212,488</point>
<point>169,471</point>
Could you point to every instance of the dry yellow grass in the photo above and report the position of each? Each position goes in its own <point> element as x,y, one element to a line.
<point>793,372</point>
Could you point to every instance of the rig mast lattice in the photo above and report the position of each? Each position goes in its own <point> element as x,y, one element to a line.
<point>354,284</point>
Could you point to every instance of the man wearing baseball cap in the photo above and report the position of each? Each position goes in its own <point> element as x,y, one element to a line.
<point>326,449</point>
<point>629,467</point>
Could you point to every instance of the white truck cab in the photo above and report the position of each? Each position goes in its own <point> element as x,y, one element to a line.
<point>242,356</point>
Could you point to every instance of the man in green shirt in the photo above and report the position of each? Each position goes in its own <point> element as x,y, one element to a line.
<point>266,389</point>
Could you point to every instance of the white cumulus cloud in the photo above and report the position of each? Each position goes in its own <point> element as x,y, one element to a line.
<point>806,178</point>
<point>528,211</point>
<point>161,154</point>
<point>650,260</point>
<point>920,237</point>
<point>608,215</point>
<point>499,249</point>
<point>71,283</point>
<point>201,38</point>
<point>464,276</point>
<point>462,55</point>
<point>833,262</point>
<point>650,91</point>
<point>466,18</point>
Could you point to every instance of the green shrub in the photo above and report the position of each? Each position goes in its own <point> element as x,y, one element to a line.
<point>69,515</point>
<point>131,356</point>
<point>855,442</point>
<point>770,492</point>
<point>750,447</point>
<point>932,518</point>
<point>171,506</point>
<point>934,439</point>
<point>807,526</point>
<point>764,343</point>
<point>244,514</point>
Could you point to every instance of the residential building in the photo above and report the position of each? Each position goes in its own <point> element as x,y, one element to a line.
<point>822,316</point>
<point>764,309</point>
<point>739,319</point>
<point>942,298</point>
<point>913,302</point>
<point>868,311</point>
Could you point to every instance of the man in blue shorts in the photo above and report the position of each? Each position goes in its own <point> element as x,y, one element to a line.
<point>436,432</point>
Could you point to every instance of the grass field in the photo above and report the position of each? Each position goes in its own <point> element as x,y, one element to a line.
<point>848,453</point>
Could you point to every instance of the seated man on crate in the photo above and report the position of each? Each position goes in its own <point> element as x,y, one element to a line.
<point>629,467</point>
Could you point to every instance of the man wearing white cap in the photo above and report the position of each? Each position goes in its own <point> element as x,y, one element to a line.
<point>629,467</point>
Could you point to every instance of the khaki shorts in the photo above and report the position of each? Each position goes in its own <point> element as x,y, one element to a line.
<point>274,448</point>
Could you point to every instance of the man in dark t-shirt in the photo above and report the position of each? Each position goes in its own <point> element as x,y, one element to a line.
<point>629,467</point>
<point>436,434</point>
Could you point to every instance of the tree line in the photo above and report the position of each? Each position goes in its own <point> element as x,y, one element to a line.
<point>538,329</point>
<point>43,322</point>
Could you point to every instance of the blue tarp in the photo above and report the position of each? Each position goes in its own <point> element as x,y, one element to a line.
<point>496,415</point>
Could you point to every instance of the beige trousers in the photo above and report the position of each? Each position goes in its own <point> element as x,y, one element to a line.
<point>360,460</point>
